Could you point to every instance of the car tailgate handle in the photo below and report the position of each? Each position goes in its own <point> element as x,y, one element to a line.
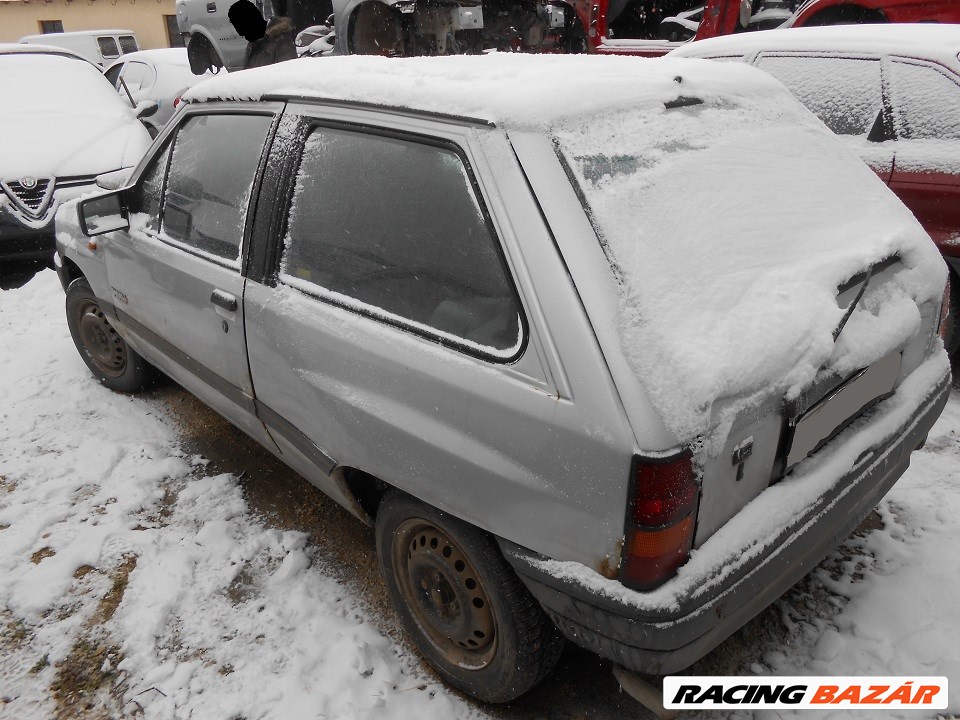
<point>224,300</point>
<point>211,7</point>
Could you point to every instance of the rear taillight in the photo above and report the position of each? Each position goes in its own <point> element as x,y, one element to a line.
<point>661,515</point>
<point>945,318</point>
<point>176,101</point>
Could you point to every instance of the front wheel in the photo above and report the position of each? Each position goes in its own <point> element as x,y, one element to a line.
<point>462,604</point>
<point>114,363</point>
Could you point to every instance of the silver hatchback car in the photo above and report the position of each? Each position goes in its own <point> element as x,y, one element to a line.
<point>606,349</point>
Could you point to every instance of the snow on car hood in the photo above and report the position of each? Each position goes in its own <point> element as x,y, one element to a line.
<point>729,225</point>
<point>69,146</point>
<point>62,118</point>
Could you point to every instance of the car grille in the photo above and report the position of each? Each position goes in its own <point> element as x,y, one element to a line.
<point>32,200</point>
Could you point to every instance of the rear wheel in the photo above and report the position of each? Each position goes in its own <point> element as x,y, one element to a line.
<point>113,362</point>
<point>464,607</point>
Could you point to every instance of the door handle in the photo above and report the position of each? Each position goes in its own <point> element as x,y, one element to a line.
<point>211,7</point>
<point>224,300</point>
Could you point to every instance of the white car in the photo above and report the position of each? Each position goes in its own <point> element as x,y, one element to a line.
<point>158,75</point>
<point>97,46</point>
<point>61,125</point>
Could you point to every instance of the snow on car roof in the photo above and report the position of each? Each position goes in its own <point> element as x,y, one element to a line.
<point>77,33</point>
<point>23,49</point>
<point>508,88</point>
<point>940,42</point>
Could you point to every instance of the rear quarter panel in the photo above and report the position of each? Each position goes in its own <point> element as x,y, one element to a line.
<point>537,451</point>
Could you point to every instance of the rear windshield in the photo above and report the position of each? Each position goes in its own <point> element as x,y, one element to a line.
<point>108,47</point>
<point>716,217</point>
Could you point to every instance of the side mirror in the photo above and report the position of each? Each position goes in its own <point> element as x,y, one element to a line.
<point>146,108</point>
<point>113,180</point>
<point>102,214</point>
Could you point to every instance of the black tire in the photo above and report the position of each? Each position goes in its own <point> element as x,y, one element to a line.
<point>952,341</point>
<point>114,363</point>
<point>462,604</point>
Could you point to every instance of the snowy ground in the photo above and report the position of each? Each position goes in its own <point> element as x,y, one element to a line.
<point>135,583</point>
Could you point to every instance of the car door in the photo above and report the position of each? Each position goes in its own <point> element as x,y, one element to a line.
<point>926,176</point>
<point>176,273</point>
<point>845,92</point>
<point>390,335</point>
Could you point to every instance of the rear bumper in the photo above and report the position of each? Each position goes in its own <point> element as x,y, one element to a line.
<point>663,642</point>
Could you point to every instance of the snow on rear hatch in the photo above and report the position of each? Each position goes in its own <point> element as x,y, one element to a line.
<point>729,224</point>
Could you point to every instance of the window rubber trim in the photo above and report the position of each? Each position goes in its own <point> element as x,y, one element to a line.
<point>306,124</point>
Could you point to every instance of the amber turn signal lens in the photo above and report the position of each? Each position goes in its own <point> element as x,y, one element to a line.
<point>657,543</point>
<point>652,556</point>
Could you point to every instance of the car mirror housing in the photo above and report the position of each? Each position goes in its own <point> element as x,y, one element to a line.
<point>102,214</point>
<point>146,108</point>
<point>113,180</point>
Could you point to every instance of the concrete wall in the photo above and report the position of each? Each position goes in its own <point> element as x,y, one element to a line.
<point>144,17</point>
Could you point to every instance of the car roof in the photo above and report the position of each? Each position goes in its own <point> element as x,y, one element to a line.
<point>78,33</point>
<point>21,49</point>
<point>508,89</point>
<point>921,40</point>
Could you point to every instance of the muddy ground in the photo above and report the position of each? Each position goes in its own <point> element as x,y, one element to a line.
<point>581,687</point>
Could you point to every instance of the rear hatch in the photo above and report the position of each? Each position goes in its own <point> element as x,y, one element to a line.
<point>759,267</point>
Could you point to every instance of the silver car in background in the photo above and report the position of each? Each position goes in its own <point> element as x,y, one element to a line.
<point>550,351</point>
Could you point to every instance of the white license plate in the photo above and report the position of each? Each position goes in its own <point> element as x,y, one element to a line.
<point>832,413</point>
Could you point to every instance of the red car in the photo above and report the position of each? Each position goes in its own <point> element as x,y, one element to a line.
<point>652,28</point>
<point>892,94</point>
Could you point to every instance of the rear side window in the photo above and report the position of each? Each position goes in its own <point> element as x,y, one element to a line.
<point>393,227</point>
<point>108,47</point>
<point>843,92</point>
<point>128,44</point>
<point>926,102</point>
<point>214,163</point>
<point>136,75</point>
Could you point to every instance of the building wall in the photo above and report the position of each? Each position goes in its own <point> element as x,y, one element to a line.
<point>144,17</point>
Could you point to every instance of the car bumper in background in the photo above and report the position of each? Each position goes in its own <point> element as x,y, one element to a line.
<point>37,240</point>
<point>667,641</point>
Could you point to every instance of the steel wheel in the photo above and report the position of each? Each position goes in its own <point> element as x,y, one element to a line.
<point>114,363</point>
<point>100,341</point>
<point>441,587</point>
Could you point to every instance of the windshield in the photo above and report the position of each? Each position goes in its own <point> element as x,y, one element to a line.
<point>71,87</point>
